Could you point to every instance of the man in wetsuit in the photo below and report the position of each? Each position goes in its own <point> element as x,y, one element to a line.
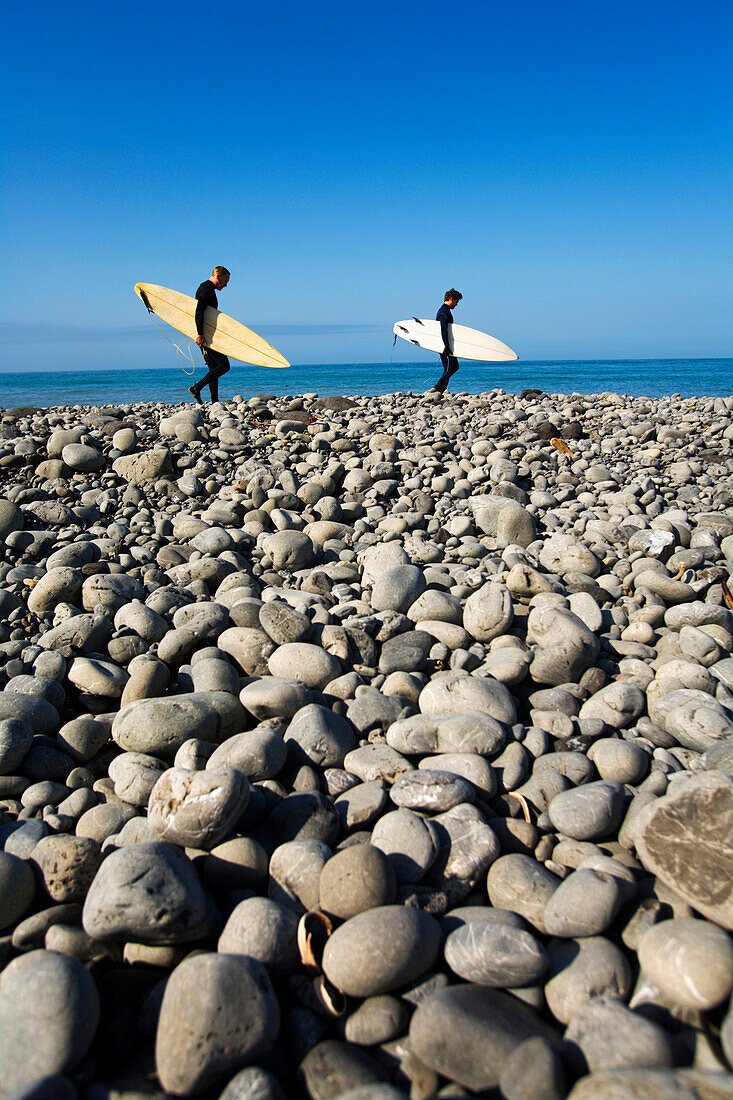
<point>447,358</point>
<point>217,363</point>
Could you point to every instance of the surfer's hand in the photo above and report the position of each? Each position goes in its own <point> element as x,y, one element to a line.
<point>200,341</point>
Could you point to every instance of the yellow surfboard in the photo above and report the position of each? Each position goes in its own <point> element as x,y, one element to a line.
<point>222,333</point>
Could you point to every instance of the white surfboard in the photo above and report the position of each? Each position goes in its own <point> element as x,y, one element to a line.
<point>465,343</point>
<point>221,332</point>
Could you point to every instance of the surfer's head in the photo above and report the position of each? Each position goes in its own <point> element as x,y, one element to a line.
<point>452,297</point>
<point>220,277</point>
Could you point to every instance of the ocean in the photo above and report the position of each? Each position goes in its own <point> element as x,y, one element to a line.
<point>637,377</point>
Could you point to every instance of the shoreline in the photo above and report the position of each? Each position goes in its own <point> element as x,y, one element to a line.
<point>651,378</point>
<point>455,672</point>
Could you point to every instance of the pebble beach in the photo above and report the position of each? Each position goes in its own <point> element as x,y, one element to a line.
<point>370,747</point>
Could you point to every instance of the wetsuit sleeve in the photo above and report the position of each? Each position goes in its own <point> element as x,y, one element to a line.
<point>443,317</point>
<point>202,302</point>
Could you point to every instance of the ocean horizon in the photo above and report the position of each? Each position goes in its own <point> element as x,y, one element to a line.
<point>112,386</point>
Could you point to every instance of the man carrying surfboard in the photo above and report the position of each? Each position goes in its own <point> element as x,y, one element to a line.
<point>217,363</point>
<point>445,317</point>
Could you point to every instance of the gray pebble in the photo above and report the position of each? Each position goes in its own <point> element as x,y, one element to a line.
<point>265,930</point>
<point>494,954</point>
<point>149,893</point>
<point>197,809</point>
<point>431,791</point>
<point>408,842</point>
<point>467,1033</point>
<point>17,889</point>
<point>67,865</point>
<point>49,1011</point>
<point>218,1011</point>
<point>380,950</point>
<point>590,811</point>
<point>16,738</point>
<point>605,1034</point>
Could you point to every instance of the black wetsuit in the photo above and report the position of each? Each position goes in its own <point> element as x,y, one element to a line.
<point>217,363</point>
<point>450,363</point>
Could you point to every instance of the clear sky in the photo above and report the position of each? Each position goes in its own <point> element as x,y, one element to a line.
<point>566,164</point>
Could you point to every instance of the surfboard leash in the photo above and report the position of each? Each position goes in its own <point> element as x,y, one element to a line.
<point>179,351</point>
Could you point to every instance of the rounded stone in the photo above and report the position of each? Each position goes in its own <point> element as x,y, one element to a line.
<point>458,692</point>
<point>467,1033</point>
<point>376,1020</point>
<point>493,954</point>
<point>264,930</point>
<point>521,884</point>
<point>408,842</point>
<point>49,1012</point>
<point>97,677</point>
<point>80,457</point>
<point>99,822</point>
<point>17,889</point>
<point>61,584</point>
<point>431,791</point>
<point>605,1034</point>
<point>283,623</point>
<point>618,704</point>
<point>318,736</point>
<point>620,760</point>
<point>236,864</point>
<point>588,812</point>
<point>466,848</point>
<point>686,839</point>
<point>274,697</point>
<point>134,775</point>
<point>258,754</point>
<point>471,732</point>
<point>148,893</point>
<point>295,871</point>
<point>253,1083</point>
<point>67,865</point>
<point>469,766</point>
<point>160,726</point>
<point>488,612</point>
<point>584,904</point>
<point>218,1014</point>
<point>305,815</point>
<point>381,950</point>
<point>358,878</point>
<point>315,665</point>
<point>397,588</point>
<point>690,961</point>
<point>333,1069</point>
<point>16,738</point>
<point>581,969</point>
<point>197,809</point>
<point>533,1071</point>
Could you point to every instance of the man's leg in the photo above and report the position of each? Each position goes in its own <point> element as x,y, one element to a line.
<point>218,364</point>
<point>452,367</point>
<point>442,382</point>
<point>222,366</point>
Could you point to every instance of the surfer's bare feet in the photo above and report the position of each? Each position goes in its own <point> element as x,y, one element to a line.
<point>196,394</point>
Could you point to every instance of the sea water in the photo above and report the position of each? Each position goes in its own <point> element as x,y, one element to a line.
<point>637,377</point>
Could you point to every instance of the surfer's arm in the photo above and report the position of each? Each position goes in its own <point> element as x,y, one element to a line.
<point>444,332</point>
<point>201,305</point>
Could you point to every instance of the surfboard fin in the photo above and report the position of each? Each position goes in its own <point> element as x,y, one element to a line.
<point>417,320</point>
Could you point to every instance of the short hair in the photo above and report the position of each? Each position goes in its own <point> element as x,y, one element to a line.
<point>221,271</point>
<point>453,293</point>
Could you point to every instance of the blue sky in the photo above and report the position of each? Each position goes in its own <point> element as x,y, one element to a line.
<point>565,163</point>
